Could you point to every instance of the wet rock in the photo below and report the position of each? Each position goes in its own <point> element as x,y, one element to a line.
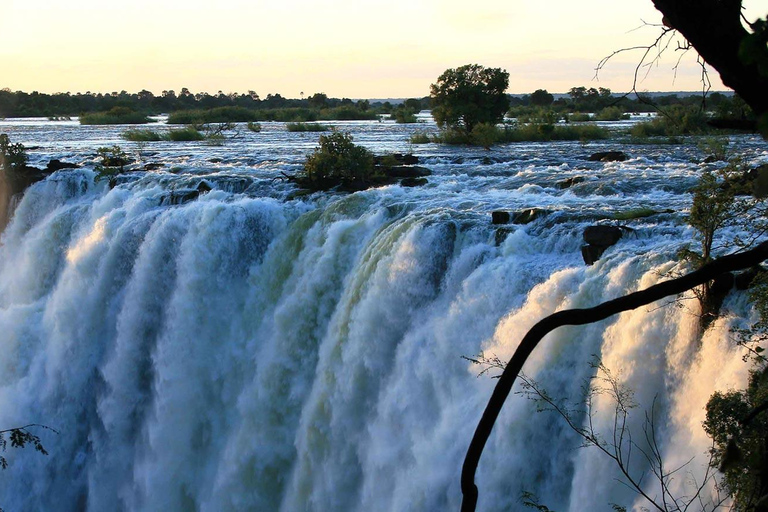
<point>598,239</point>
<point>406,159</point>
<point>529,215</point>
<point>569,182</point>
<point>153,166</point>
<point>722,284</point>
<point>407,171</point>
<point>608,156</point>
<point>501,235</point>
<point>601,235</point>
<point>56,165</point>
<point>500,217</point>
<point>413,182</point>
<point>744,279</point>
<point>591,253</point>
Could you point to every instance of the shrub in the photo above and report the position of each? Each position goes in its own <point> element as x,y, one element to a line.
<point>112,162</point>
<point>214,115</point>
<point>339,159</point>
<point>579,117</point>
<point>187,134</point>
<point>404,115</point>
<point>306,127</point>
<point>13,157</point>
<point>142,136</point>
<point>420,138</point>
<point>116,115</point>
<point>254,127</point>
<point>611,114</point>
<point>677,120</point>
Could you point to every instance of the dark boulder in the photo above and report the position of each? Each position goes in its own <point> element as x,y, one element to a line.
<point>500,217</point>
<point>602,236</point>
<point>591,253</point>
<point>56,165</point>
<point>608,156</point>
<point>153,166</point>
<point>406,171</point>
<point>569,182</point>
<point>529,215</point>
<point>598,239</point>
<point>406,159</point>
<point>413,182</point>
<point>744,279</point>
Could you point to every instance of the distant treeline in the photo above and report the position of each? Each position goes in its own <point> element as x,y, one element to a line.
<point>36,104</point>
<point>320,107</point>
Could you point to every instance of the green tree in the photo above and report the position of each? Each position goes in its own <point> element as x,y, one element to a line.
<point>541,98</point>
<point>468,95</point>
<point>738,424</point>
<point>338,159</point>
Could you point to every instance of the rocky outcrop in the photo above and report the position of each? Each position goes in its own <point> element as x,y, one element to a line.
<point>569,182</point>
<point>57,165</point>
<point>406,171</point>
<point>519,217</point>
<point>598,239</point>
<point>608,156</point>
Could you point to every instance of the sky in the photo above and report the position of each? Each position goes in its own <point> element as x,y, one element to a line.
<point>343,48</point>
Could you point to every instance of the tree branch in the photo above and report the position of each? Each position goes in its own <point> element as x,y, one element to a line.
<point>581,317</point>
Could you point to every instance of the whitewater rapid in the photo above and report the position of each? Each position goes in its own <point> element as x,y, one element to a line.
<point>250,351</point>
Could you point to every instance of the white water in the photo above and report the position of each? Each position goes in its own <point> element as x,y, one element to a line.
<point>245,351</point>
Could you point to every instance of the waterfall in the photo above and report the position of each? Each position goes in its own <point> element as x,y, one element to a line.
<point>247,353</point>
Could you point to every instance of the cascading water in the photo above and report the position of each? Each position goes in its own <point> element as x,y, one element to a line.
<point>246,351</point>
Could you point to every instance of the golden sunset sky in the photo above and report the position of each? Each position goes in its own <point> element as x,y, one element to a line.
<point>345,48</point>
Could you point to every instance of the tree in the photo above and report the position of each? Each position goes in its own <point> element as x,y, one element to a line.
<point>338,159</point>
<point>470,95</point>
<point>542,98</point>
<point>713,28</point>
<point>734,421</point>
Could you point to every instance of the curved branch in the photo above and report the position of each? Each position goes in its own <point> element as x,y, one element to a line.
<point>581,317</point>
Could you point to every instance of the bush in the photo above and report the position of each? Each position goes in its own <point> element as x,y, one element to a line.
<point>338,159</point>
<point>142,136</point>
<point>485,134</point>
<point>404,115</point>
<point>306,127</point>
<point>611,114</point>
<point>116,115</point>
<point>214,115</point>
<point>421,138</point>
<point>13,157</point>
<point>254,127</point>
<point>112,161</point>
<point>187,134</point>
<point>677,120</point>
<point>579,117</point>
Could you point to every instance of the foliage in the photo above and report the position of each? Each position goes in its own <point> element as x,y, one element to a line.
<point>674,121</point>
<point>112,161</point>
<point>420,137</point>
<point>254,127</point>
<point>13,156</point>
<point>619,443</point>
<point>214,115</point>
<point>579,117</point>
<point>115,115</point>
<point>403,114</point>
<point>20,437</point>
<point>542,98</point>
<point>611,114</point>
<point>737,421</point>
<point>186,134</point>
<point>338,159</point>
<point>468,95</point>
<point>142,136</point>
<point>306,127</point>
